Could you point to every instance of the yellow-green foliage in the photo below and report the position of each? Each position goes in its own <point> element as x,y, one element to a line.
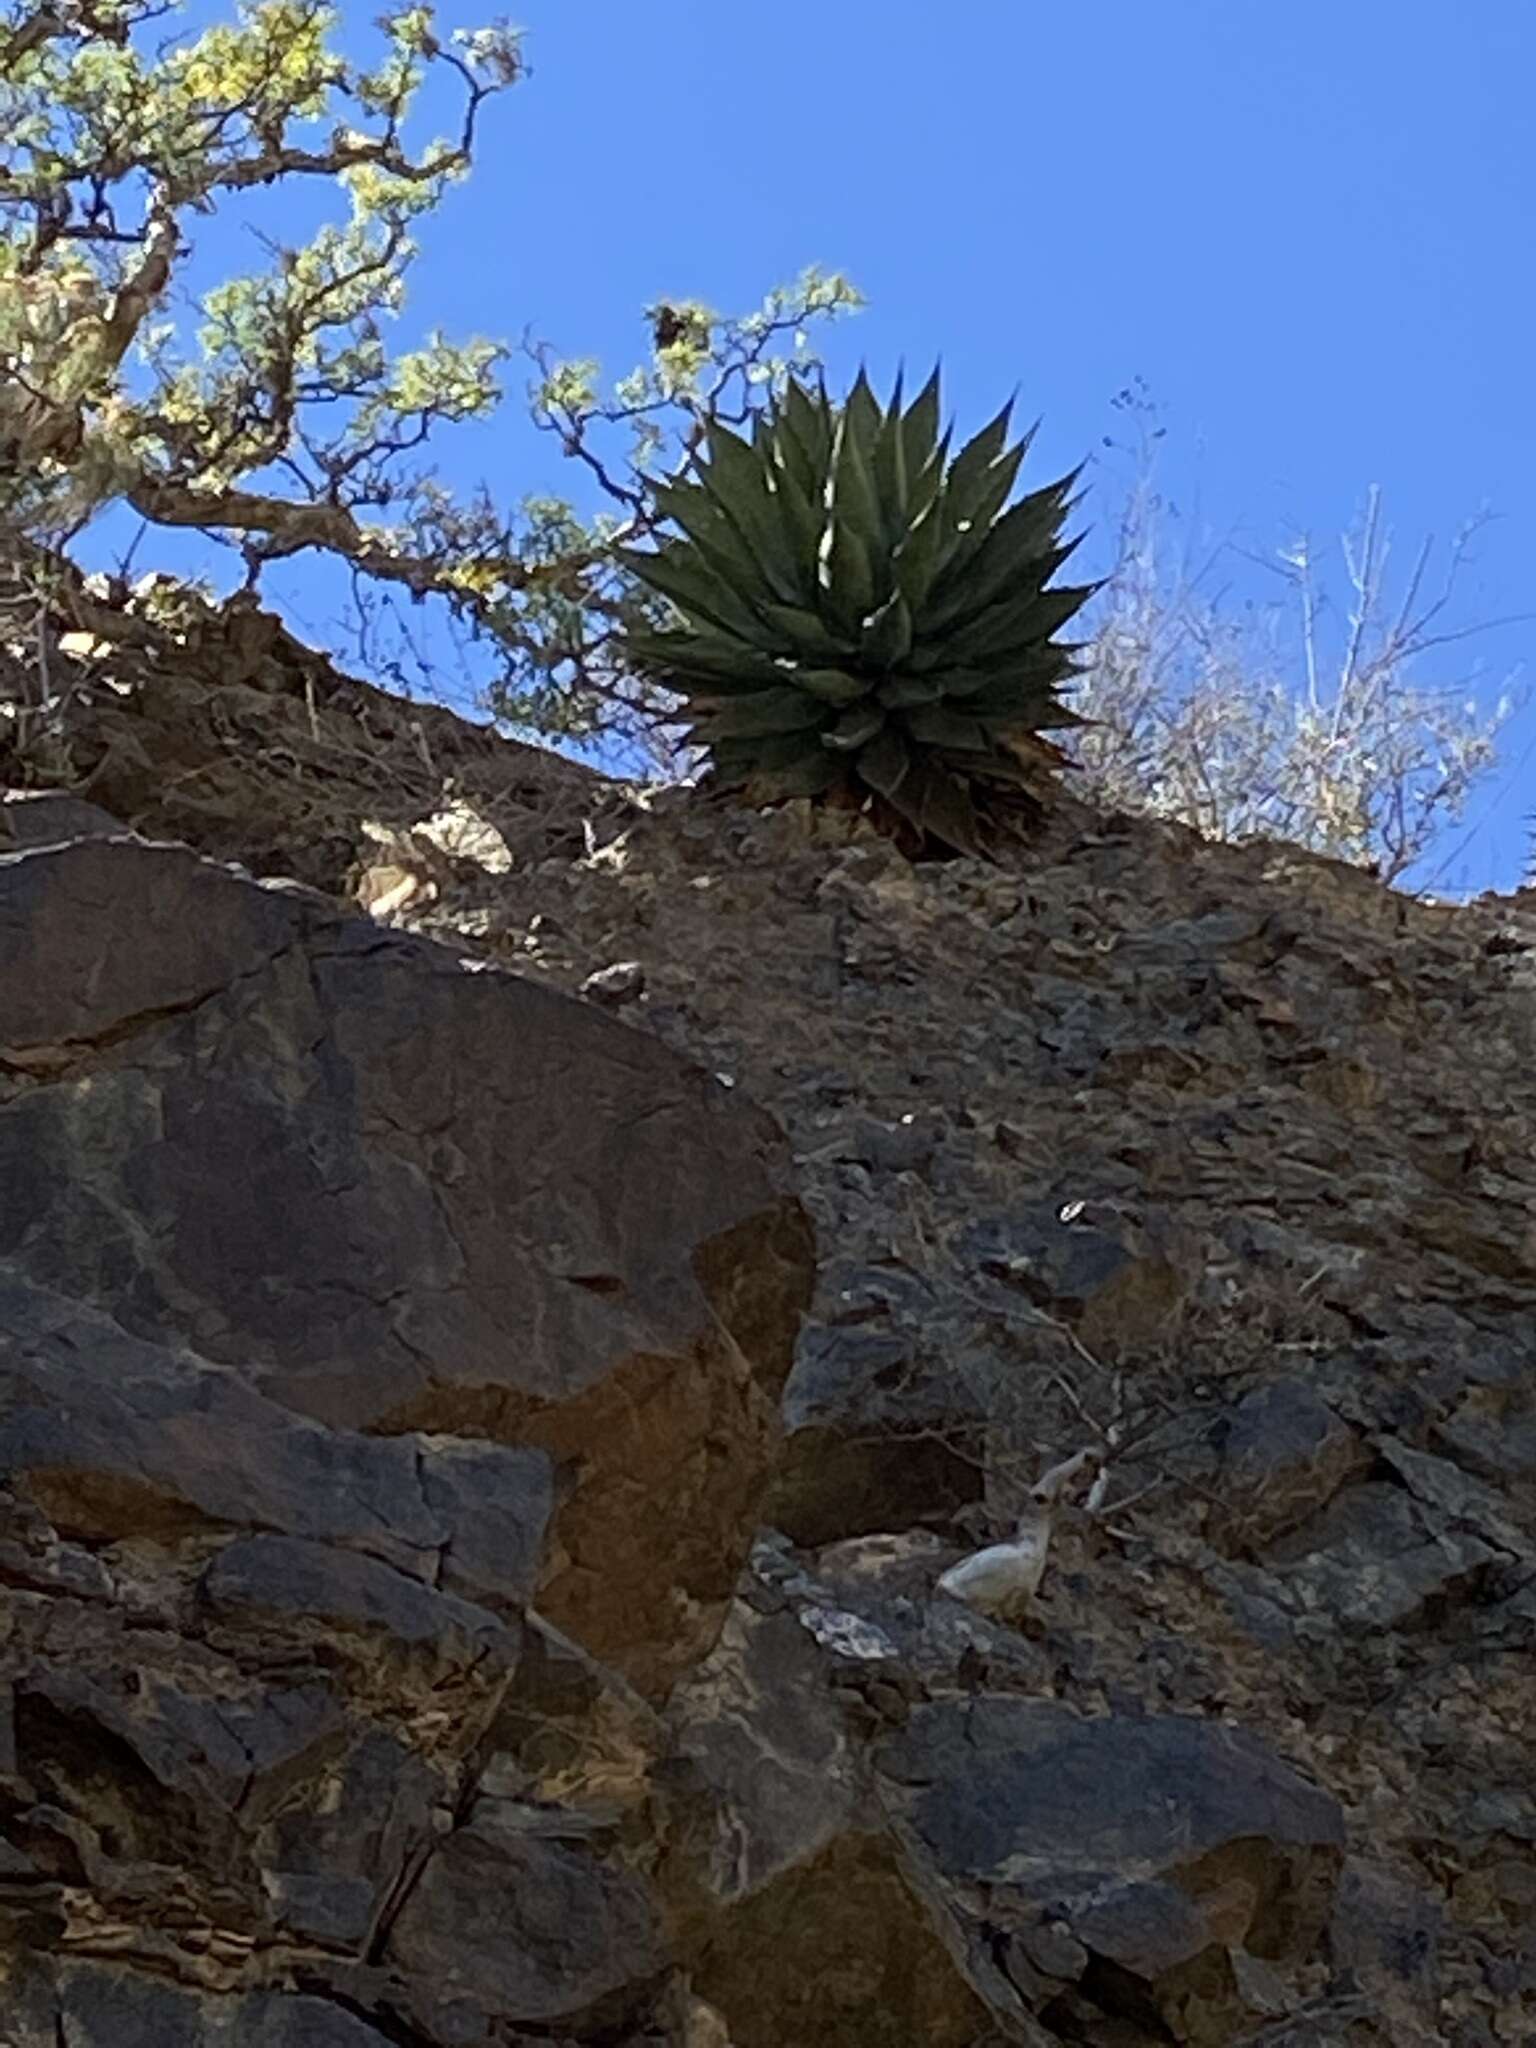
<point>275,412</point>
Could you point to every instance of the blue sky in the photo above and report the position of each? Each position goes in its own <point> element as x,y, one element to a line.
<point>1308,227</point>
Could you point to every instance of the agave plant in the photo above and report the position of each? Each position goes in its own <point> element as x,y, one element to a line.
<point>859,616</point>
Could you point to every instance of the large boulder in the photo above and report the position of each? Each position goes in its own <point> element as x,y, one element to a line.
<point>380,1339</point>
<point>1158,1870</point>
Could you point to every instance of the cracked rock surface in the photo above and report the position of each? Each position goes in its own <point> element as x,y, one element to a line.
<point>1224,1154</point>
<point>360,1313</point>
<point>442,1599</point>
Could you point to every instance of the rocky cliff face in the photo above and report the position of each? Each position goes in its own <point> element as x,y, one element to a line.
<point>418,1630</point>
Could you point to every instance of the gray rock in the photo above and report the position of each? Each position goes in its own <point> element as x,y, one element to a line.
<point>1027,1782</point>
<point>1157,1843</point>
<point>905,1147</point>
<point>1499,1449</point>
<point>1386,1929</point>
<point>1462,1501</point>
<point>780,1847</point>
<point>115,1436</point>
<point>213,1755</point>
<point>871,1417</point>
<point>1054,1951</point>
<point>46,817</point>
<point>765,1736</point>
<point>1112,1290</point>
<point>197,928</point>
<point>98,2005</point>
<point>524,1929</point>
<point>494,1503</point>
<point>285,1579</point>
<point>1375,1560</point>
<point>613,987</point>
<point>334,1851</point>
<point>1284,1454</point>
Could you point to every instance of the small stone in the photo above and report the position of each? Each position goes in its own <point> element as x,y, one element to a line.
<point>904,1147</point>
<point>48,818</point>
<point>1054,1950</point>
<point>1259,1984</point>
<point>623,982</point>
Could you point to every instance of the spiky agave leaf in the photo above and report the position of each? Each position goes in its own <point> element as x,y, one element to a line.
<point>861,614</point>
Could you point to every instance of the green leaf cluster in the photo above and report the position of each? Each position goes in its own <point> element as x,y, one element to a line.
<point>275,411</point>
<point>114,141</point>
<point>857,613</point>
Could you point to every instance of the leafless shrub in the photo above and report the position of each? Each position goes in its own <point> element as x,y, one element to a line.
<point>1302,718</point>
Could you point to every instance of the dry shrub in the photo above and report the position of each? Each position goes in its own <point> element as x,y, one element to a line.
<point>1309,718</point>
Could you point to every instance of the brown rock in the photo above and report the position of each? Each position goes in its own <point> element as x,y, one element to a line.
<point>510,1221</point>
<point>351,1301</point>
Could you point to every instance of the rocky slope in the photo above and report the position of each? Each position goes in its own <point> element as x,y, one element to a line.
<point>387,1356</point>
